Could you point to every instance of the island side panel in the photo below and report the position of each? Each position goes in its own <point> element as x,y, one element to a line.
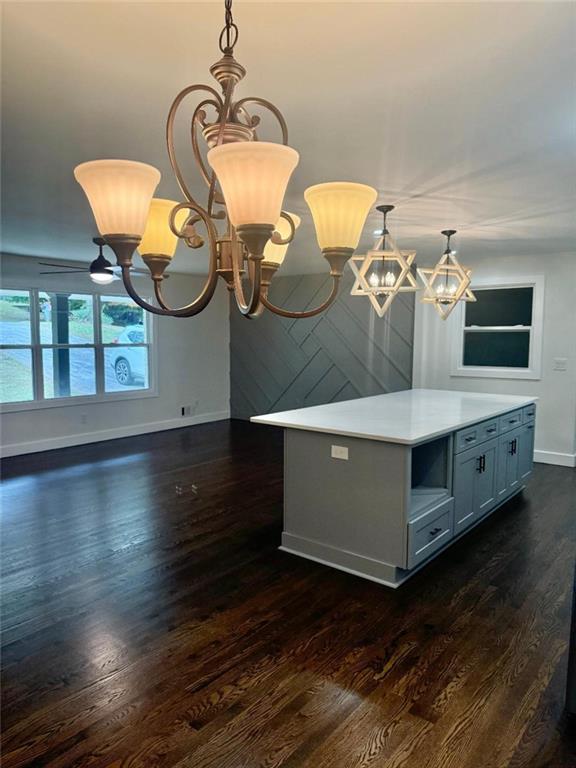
<point>358,505</point>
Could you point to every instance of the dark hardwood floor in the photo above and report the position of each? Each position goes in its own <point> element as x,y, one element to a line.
<point>150,620</point>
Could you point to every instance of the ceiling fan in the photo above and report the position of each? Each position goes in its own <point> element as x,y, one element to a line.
<point>101,270</point>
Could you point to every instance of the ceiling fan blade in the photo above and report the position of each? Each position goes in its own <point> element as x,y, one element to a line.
<point>58,272</point>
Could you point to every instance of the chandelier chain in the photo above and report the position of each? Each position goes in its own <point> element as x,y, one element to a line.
<point>230,31</point>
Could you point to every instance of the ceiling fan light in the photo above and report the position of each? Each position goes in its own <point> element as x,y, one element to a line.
<point>274,253</point>
<point>101,270</point>
<point>158,238</point>
<point>119,193</point>
<point>102,278</point>
<point>253,176</point>
<point>339,210</point>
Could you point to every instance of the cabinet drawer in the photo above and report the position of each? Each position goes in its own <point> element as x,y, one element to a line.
<point>430,532</point>
<point>489,429</point>
<point>510,421</point>
<point>467,438</point>
<point>529,413</point>
<point>479,433</point>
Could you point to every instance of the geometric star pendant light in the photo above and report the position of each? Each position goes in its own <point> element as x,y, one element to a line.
<point>243,223</point>
<point>383,273</point>
<point>448,282</point>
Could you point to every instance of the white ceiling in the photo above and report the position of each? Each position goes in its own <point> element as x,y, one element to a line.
<point>460,114</point>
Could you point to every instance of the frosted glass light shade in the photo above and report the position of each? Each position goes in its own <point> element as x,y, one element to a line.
<point>102,278</point>
<point>275,253</point>
<point>158,237</point>
<point>339,210</point>
<point>253,176</point>
<point>119,193</point>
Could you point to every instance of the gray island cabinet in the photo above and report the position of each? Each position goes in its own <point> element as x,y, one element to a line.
<point>377,486</point>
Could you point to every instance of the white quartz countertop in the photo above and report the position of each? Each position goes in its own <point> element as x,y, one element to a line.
<point>409,417</point>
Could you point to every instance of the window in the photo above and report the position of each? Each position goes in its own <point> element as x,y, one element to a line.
<point>58,346</point>
<point>500,334</point>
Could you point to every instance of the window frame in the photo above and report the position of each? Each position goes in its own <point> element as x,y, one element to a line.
<point>534,370</point>
<point>101,396</point>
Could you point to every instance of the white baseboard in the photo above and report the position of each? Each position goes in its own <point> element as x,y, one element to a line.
<point>551,457</point>
<point>50,444</point>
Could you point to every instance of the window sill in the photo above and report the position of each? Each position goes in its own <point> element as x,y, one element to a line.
<point>80,400</point>
<point>497,373</point>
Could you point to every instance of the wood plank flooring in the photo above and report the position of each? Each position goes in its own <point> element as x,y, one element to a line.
<point>150,620</point>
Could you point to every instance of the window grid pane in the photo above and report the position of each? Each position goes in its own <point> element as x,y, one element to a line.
<point>68,372</point>
<point>497,349</point>
<point>66,318</point>
<point>15,326</point>
<point>500,307</point>
<point>121,319</point>
<point>125,368</point>
<point>16,382</point>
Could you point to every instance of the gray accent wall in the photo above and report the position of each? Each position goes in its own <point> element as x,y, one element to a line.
<point>346,352</point>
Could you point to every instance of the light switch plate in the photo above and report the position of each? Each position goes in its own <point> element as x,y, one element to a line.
<point>339,452</point>
<point>560,364</point>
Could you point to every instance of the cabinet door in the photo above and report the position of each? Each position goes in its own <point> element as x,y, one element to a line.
<point>485,488</point>
<point>466,469</point>
<point>525,452</point>
<point>512,470</point>
<point>504,448</point>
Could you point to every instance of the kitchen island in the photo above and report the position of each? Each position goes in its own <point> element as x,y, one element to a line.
<point>379,485</point>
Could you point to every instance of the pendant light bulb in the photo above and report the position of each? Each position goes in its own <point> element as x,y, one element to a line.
<point>390,279</point>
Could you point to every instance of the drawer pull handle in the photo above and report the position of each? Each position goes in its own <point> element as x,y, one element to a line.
<point>435,531</point>
<point>470,438</point>
<point>492,429</point>
<point>530,426</point>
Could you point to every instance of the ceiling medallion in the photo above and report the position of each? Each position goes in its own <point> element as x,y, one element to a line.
<point>448,282</point>
<point>383,272</point>
<point>242,222</point>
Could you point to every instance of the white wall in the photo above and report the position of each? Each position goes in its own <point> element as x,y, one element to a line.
<point>193,369</point>
<point>556,420</point>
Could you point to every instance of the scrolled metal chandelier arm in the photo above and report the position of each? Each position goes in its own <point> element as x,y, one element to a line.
<point>277,239</point>
<point>308,312</point>
<point>205,296</point>
<point>133,293</point>
<point>250,307</point>
<point>217,102</point>
<point>240,108</point>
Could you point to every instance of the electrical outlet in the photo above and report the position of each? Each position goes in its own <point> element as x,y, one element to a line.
<point>560,364</point>
<point>339,452</point>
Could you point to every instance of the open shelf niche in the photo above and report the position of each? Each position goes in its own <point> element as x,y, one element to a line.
<point>431,478</point>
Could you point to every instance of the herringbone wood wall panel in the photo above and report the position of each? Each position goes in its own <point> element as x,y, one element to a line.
<point>347,352</point>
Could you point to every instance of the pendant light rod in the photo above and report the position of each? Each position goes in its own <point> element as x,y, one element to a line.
<point>384,210</point>
<point>448,234</point>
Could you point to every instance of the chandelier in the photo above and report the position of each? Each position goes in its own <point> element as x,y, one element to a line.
<point>383,272</point>
<point>448,282</point>
<point>242,222</point>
